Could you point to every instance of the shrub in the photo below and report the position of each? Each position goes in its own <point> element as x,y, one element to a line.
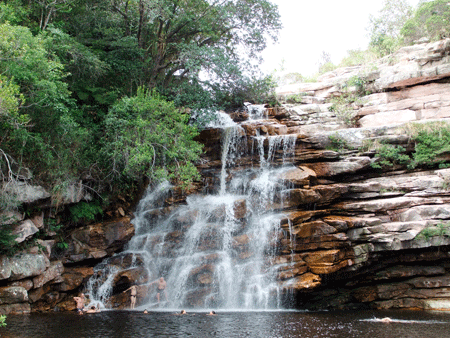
<point>431,141</point>
<point>8,244</point>
<point>338,143</point>
<point>389,155</point>
<point>440,230</point>
<point>85,211</point>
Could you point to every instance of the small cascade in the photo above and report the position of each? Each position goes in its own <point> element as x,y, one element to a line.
<point>218,250</point>
<point>256,112</point>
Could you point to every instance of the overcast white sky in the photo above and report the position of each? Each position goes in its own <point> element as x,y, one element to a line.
<point>313,26</point>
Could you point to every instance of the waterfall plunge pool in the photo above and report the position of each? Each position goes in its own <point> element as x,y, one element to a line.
<point>342,324</point>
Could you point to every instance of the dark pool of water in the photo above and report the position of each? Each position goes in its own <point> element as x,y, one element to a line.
<point>405,324</point>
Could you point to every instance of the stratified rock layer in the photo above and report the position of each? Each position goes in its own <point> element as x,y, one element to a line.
<point>352,236</point>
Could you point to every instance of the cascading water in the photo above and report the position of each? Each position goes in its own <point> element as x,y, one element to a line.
<point>218,250</point>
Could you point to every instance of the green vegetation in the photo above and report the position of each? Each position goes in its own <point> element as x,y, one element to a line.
<point>385,29</point>
<point>431,20</point>
<point>2,320</point>
<point>99,91</point>
<point>7,240</point>
<point>439,230</point>
<point>343,105</point>
<point>338,143</point>
<point>147,134</point>
<point>431,141</point>
<point>389,155</point>
<point>85,211</point>
<point>295,98</point>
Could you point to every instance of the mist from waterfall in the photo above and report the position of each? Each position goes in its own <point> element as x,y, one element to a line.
<point>218,250</point>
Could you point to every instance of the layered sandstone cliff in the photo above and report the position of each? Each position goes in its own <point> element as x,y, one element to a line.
<point>353,235</point>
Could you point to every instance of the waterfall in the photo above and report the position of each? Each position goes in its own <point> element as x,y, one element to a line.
<point>218,250</point>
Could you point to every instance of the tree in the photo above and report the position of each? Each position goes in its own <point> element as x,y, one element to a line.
<point>52,142</point>
<point>146,136</point>
<point>384,30</point>
<point>431,20</point>
<point>165,43</point>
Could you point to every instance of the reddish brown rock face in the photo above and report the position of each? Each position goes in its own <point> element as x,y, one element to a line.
<point>306,281</point>
<point>99,240</point>
<point>72,278</point>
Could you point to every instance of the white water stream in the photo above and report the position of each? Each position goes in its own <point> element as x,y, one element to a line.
<point>217,251</point>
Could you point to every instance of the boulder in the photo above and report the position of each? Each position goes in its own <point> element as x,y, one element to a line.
<point>22,266</point>
<point>326,262</point>
<point>390,118</point>
<point>38,220</point>
<point>25,193</point>
<point>380,205</point>
<point>37,294</point>
<point>98,240</point>
<point>240,208</point>
<point>55,270</point>
<point>424,212</point>
<point>296,197</point>
<point>13,295</point>
<point>27,284</point>
<point>298,177</point>
<point>5,267</point>
<point>291,271</point>
<point>24,230</point>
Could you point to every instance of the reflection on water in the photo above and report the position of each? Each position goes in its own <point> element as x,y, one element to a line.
<point>409,324</point>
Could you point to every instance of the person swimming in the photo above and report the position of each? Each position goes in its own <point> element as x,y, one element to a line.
<point>93,309</point>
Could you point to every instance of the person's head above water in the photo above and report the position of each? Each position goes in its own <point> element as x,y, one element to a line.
<point>183,312</point>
